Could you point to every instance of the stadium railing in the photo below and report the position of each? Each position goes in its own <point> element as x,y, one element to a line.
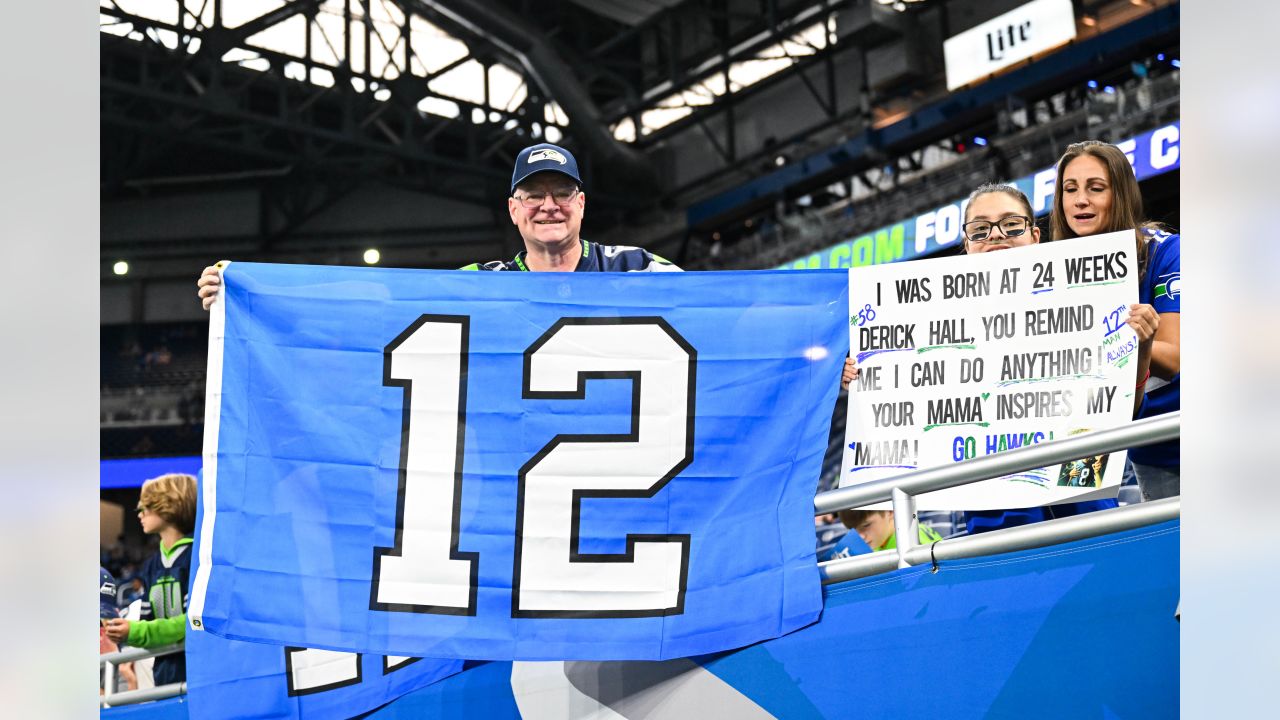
<point>109,662</point>
<point>901,490</point>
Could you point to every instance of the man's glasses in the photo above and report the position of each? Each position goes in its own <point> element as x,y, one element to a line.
<point>979,231</point>
<point>561,197</point>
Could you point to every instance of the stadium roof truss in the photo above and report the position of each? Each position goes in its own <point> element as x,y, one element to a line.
<point>417,91</point>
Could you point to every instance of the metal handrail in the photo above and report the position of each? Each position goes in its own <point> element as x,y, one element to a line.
<point>902,489</point>
<point>133,697</point>
<point>1023,537</point>
<point>111,698</point>
<point>1139,432</point>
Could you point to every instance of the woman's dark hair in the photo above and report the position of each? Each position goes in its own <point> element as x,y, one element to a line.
<point>1126,198</point>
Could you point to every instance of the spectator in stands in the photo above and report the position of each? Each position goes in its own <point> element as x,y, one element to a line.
<point>1004,220</point>
<point>546,204</point>
<point>167,509</point>
<point>1096,192</point>
<point>999,217</point>
<point>875,527</point>
<point>132,589</point>
<point>108,610</point>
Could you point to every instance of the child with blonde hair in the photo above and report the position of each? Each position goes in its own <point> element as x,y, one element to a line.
<point>167,508</point>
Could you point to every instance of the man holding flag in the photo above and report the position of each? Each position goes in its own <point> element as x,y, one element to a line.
<point>546,204</point>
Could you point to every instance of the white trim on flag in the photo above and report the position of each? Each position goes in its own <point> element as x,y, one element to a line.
<point>209,484</point>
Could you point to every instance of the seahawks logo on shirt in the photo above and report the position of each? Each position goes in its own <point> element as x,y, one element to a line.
<point>546,154</point>
<point>167,598</point>
<point>1169,285</point>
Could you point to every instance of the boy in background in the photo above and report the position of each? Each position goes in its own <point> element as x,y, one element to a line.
<point>875,527</point>
<point>167,508</point>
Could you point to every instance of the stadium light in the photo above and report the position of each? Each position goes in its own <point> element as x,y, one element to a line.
<point>1093,84</point>
<point>372,256</point>
<point>1160,57</point>
<point>120,268</point>
<point>979,141</point>
<point>1174,62</point>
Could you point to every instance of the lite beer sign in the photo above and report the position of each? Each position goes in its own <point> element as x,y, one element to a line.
<point>1007,39</point>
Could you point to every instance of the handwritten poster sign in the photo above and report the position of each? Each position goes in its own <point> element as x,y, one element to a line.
<point>968,356</point>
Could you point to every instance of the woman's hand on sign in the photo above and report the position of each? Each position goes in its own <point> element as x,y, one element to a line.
<point>850,373</point>
<point>1145,321</point>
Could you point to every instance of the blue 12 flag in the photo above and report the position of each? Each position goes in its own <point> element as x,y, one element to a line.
<point>229,678</point>
<point>515,466</point>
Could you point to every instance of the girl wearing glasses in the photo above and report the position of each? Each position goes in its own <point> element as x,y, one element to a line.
<point>998,217</point>
<point>1097,192</point>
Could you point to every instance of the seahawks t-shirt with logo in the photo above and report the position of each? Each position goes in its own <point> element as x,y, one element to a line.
<point>166,576</point>
<point>595,258</point>
<point>1162,289</point>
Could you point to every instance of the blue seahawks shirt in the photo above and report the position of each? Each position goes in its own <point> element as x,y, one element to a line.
<point>595,258</point>
<point>1162,289</point>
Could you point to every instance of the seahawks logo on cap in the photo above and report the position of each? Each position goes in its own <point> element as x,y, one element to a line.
<point>546,154</point>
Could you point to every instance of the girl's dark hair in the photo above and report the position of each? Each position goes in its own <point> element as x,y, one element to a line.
<point>1009,190</point>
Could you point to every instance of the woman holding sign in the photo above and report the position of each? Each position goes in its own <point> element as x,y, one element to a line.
<point>1097,192</point>
<point>999,217</point>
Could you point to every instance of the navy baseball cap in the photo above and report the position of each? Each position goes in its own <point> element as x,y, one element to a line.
<point>106,595</point>
<point>544,157</point>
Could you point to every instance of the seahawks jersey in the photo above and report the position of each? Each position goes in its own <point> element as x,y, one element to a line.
<point>166,578</point>
<point>1161,288</point>
<point>595,258</point>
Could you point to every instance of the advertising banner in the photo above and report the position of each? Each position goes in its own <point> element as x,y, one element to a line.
<point>1008,39</point>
